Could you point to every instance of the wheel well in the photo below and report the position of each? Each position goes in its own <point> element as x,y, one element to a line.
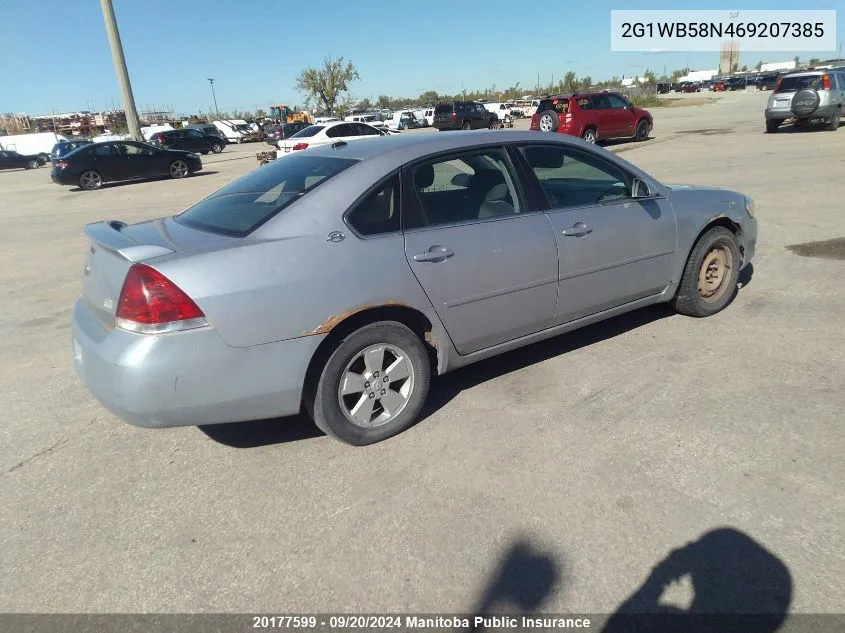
<point>725,222</point>
<point>415,320</point>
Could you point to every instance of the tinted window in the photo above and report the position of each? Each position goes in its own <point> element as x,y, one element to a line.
<point>794,84</point>
<point>573,178</point>
<point>362,129</point>
<point>469,186</point>
<point>311,130</point>
<point>379,212</point>
<point>617,102</point>
<point>138,149</point>
<point>241,207</point>
<point>344,129</point>
<point>105,149</point>
<point>194,133</point>
<point>443,108</point>
<point>601,102</point>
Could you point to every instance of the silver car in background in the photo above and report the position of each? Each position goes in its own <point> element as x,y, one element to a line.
<point>806,96</point>
<point>345,277</point>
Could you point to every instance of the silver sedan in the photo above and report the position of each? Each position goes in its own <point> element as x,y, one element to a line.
<point>345,277</point>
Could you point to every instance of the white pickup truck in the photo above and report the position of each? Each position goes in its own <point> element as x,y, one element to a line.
<point>501,110</point>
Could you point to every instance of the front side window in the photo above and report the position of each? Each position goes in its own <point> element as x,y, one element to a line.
<point>573,178</point>
<point>105,149</point>
<point>378,213</point>
<point>241,207</point>
<point>464,187</point>
<point>617,102</point>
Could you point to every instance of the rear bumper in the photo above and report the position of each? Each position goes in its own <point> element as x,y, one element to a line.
<point>823,112</point>
<point>62,177</point>
<point>188,378</point>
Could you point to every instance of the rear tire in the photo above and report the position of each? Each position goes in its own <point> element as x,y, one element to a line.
<point>772,126</point>
<point>709,282</point>
<point>33,164</point>
<point>216,148</point>
<point>391,345</point>
<point>590,135</point>
<point>90,180</point>
<point>466,126</point>
<point>833,123</point>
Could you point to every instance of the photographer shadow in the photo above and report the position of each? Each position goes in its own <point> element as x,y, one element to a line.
<point>738,586</point>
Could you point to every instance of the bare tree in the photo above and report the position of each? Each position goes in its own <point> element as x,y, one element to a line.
<point>329,84</point>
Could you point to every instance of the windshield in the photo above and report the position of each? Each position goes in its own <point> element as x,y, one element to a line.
<point>311,130</point>
<point>796,83</point>
<point>243,206</point>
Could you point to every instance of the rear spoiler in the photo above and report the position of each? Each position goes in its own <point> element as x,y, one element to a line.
<point>109,235</point>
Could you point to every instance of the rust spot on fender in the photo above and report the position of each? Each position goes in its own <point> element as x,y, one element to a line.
<point>333,321</point>
<point>431,339</point>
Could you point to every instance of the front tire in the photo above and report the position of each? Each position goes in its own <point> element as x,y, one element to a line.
<point>178,169</point>
<point>33,164</point>
<point>772,126</point>
<point>642,131</point>
<point>466,126</point>
<point>710,277</point>
<point>373,386</point>
<point>216,148</point>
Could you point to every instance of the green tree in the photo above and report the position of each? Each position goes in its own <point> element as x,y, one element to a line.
<point>260,113</point>
<point>758,66</point>
<point>383,101</point>
<point>814,60</point>
<point>327,85</point>
<point>364,104</point>
<point>797,60</point>
<point>429,96</point>
<point>569,82</point>
<point>586,83</point>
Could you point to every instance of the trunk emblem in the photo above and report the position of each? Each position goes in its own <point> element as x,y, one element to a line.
<point>108,304</point>
<point>335,236</point>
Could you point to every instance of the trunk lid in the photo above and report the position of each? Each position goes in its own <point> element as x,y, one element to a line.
<point>114,246</point>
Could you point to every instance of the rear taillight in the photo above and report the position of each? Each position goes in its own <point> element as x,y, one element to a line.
<point>826,82</point>
<point>152,304</point>
<point>62,164</point>
<point>454,117</point>
<point>299,146</point>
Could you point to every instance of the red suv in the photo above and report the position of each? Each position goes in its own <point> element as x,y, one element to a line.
<point>594,116</point>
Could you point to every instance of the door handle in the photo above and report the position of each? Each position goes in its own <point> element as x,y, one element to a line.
<point>579,229</point>
<point>434,254</point>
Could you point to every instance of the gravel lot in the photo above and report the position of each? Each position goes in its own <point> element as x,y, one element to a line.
<point>559,475</point>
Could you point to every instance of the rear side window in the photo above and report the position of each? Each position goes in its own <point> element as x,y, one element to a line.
<point>243,206</point>
<point>794,84</point>
<point>443,108</point>
<point>311,130</point>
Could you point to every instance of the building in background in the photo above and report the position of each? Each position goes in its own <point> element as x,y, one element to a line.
<point>774,66</point>
<point>699,75</point>
<point>729,57</point>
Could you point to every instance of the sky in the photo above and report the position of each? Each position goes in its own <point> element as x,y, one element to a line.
<point>55,57</point>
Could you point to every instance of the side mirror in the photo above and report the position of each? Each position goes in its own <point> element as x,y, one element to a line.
<point>639,189</point>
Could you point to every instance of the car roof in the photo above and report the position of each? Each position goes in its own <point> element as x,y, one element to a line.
<point>402,148</point>
<point>805,73</point>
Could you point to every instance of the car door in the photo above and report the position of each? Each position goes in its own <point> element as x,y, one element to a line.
<point>600,105</point>
<point>110,161</point>
<point>141,160</point>
<point>613,249</point>
<point>5,161</point>
<point>487,263</point>
<point>624,123</point>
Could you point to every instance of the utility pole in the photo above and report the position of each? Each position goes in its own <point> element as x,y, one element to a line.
<point>120,69</point>
<point>214,96</point>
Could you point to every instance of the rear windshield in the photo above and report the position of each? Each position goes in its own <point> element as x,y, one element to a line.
<point>794,84</point>
<point>442,108</point>
<point>243,206</point>
<point>562,104</point>
<point>311,130</point>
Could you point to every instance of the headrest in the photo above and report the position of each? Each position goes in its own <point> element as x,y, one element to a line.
<point>549,157</point>
<point>424,176</point>
<point>498,192</point>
